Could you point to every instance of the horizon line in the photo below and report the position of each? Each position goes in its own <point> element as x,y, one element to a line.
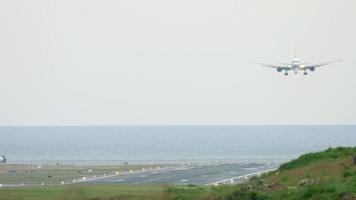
<point>172,125</point>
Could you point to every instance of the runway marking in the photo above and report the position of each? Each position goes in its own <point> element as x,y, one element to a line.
<point>182,168</point>
<point>154,179</point>
<point>251,168</point>
<point>146,181</point>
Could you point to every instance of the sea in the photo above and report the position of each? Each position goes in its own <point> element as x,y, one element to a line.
<point>26,144</point>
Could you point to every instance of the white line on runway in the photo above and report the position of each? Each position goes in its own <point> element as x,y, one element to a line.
<point>155,179</point>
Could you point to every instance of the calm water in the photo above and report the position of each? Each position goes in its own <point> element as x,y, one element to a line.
<point>170,142</point>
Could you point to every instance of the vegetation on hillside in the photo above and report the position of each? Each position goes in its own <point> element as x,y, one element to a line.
<point>330,174</point>
<point>329,154</point>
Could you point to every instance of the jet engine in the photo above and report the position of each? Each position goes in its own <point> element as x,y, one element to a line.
<point>279,69</point>
<point>2,159</point>
<point>312,69</point>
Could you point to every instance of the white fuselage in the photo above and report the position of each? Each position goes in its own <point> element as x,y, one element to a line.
<point>295,64</point>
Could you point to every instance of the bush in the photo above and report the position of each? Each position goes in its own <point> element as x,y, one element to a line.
<point>308,192</point>
<point>346,172</point>
<point>238,195</point>
<point>190,185</point>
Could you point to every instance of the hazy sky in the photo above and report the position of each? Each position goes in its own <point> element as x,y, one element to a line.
<point>80,62</point>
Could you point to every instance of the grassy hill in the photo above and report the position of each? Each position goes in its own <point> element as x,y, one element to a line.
<point>325,175</point>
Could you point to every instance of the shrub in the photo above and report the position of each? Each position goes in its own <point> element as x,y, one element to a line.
<point>308,192</point>
<point>346,172</point>
<point>238,195</point>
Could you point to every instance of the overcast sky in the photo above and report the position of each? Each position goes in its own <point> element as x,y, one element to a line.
<point>126,62</point>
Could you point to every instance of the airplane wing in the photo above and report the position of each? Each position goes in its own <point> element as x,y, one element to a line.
<point>315,65</point>
<point>282,66</point>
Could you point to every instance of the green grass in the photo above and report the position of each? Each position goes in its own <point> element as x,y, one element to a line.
<point>186,192</point>
<point>331,153</point>
<point>105,192</point>
<point>84,192</point>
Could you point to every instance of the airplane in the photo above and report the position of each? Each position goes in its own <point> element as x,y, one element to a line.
<point>296,65</point>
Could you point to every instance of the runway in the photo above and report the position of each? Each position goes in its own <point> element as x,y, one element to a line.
<point>205,174</point>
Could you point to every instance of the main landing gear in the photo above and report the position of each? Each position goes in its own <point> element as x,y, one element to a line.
<point>285,73</point>
<point>305,73</point>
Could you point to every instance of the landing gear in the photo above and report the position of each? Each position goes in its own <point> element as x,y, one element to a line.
<point>305,73</point>
<point>285,73</point>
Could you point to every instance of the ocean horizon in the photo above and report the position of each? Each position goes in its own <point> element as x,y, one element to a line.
<point>170,142</point>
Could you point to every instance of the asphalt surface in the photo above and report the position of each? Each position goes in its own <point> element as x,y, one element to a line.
<point>183,175</point>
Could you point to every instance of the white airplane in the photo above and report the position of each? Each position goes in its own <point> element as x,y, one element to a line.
<point>296,65</point>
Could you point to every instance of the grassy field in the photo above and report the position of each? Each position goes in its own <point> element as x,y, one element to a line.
<point>104,192</point>
<point>330,175</point>
<point>81,192</point>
